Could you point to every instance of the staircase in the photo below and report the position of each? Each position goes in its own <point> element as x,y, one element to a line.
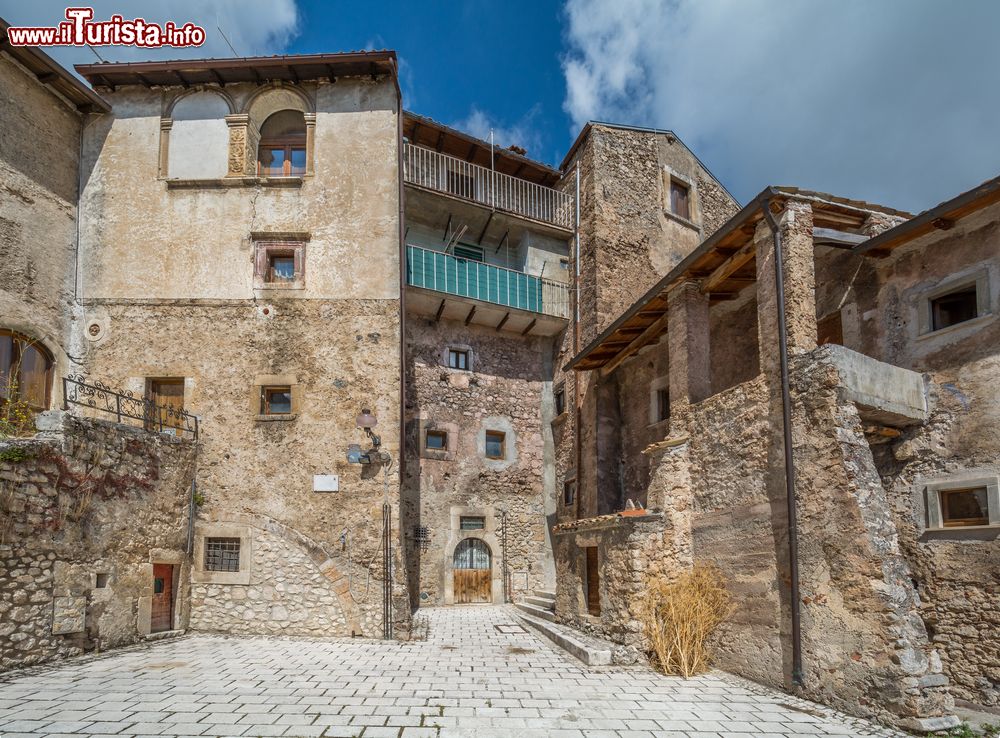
<point>540,604</point>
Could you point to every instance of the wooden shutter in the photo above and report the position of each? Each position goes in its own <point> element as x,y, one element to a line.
<point>593,581</point>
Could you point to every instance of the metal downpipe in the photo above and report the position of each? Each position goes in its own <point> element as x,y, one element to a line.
<point>786,422</point>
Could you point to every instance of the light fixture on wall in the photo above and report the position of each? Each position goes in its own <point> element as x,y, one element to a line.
<point>366,421</point>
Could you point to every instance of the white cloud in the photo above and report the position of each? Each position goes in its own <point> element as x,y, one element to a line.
<point>254,27</point>
<point>523,132</point>
<point>895,101</point>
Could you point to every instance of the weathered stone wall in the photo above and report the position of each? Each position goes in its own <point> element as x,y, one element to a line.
<point>39,169</point>
<point>96,499</point>
<point>174,294</point>
<point>957,571</point>
<point>508,389</point>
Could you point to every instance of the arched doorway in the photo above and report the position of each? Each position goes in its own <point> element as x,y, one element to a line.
<point>472,565</point>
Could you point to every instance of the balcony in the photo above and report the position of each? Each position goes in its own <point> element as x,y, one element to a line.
<point>446,174</point>
<point>506,299</point>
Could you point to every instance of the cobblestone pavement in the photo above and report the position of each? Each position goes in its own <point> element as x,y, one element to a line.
<point>470,678</point>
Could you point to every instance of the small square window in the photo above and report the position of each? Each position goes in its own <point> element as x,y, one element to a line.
<point>458,359</point>
<point>275,400</point>
<point>954,307</point>
<point>222,554</point>
<point>280,266</point>
<point>680,199</point>
<point>436,440</point>
<point>662,404</point>
<point>560,398</point>
<point>472,522</point>
<point>102,581</point>
<point>496,442</point>
<point>569,491</point>
<point>962,507</point>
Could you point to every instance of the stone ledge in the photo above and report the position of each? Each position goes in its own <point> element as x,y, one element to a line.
<point>225,182</point>
<point>591,651</point>
<point>607,521</point>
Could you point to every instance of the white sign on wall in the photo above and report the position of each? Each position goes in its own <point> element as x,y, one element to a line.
<point>326,483</point>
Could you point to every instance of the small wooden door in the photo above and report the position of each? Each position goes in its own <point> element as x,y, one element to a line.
<point>162,613</point>
<point>830,329</point>
<point>593,581</point>
<point>473,572</point>
<point>166,393</point>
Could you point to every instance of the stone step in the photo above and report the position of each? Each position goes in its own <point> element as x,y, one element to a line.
<point>540,612</point>
<point>591,651</point>
<point>547,594</point>
<point>541,602</point>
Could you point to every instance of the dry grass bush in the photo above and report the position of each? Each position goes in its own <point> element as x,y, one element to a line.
<point>678,616</point>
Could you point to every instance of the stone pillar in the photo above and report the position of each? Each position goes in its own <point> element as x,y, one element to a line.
<point>796,225</point>
<point>238,127</point>
<point>688,346</point>
<point>311,141</point>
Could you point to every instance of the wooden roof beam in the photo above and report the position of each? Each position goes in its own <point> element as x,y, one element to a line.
<point>437,315</point>
<point>728,267</point>
<point>654,331</point>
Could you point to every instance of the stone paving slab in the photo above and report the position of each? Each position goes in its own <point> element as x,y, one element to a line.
<point>467,679</point>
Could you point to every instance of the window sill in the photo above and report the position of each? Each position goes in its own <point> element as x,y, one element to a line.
<point>958,327</point>
<point>958,528</point>
<point>224,182</point>
<point>274,286</point>
<point>683,221</point>
<point>275,418</point>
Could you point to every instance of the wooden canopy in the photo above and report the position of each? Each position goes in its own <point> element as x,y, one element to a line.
<point>723,264</point>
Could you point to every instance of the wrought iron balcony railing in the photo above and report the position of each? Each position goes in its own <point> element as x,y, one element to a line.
<point>452,275</point>
<point>453,176</point>
<point>126,406</point>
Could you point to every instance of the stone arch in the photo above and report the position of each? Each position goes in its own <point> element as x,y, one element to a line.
<point>326,565</point>
<point>194,135</point>
<point>20,321</point>
<point>487,536</point>
<point>168,111</point>
<point>267,100</point>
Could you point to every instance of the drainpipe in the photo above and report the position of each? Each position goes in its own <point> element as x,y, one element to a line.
<point>577,398</point>
<point>786,422</point>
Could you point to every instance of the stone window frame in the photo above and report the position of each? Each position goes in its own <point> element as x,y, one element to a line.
<point>933,519</point>
<point>978,276</point>
<point>266,244</point>
<point>560,388</point>
<point>275,380</point>
<point>469,353</point>
<point>450,453</point>
<point>694,205</point>
<point>497,424</point>
<point>657,384</point>
<point>200,575</point>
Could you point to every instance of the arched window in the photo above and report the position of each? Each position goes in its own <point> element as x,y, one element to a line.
<point>25,370</point>
<point>282,148</point>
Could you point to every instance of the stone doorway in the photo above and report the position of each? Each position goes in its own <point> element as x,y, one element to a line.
<point>162,610</point>
<point>472,567</point>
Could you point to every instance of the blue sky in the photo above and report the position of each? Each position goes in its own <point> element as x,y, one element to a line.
<point>892,101</point>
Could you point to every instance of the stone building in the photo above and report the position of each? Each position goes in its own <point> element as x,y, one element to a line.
<point>372,363</point>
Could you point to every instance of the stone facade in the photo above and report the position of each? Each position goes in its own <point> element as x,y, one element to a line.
<point>507,389</point>
<point>86,512</point>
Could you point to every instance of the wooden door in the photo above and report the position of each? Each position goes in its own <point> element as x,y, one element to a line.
<point>592,564</point>
<point>473,572</point>
<point>167,395</point>
<point>162,613</point>
<point>830,329</point>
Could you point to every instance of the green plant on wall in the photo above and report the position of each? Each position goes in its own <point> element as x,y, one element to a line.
<point>986,730</point>
<point>17,417</point>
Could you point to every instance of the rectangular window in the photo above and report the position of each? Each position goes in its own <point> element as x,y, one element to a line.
<point>961,507</point>
<point>280,266</point>
<point>560,398</point>
<point>496,442</point>
<point>680,200</point>
<point>472,253</point>
<point>458,359</point>
<point>436,440</point>
<point>954,307</point>
<point>275,400</point>
<point>472,522</point>
<point>569,491</point>
<point>662,404</point>
<point>222,554</point>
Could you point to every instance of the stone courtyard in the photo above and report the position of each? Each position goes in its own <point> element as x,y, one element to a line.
<point>478,673</point>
